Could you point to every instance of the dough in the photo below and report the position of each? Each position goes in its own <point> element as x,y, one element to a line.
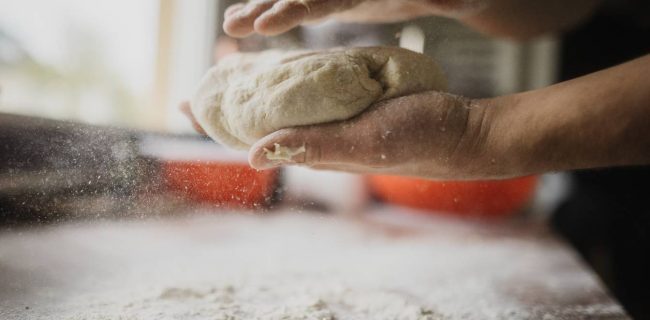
<point>283,153</point>
<point>247,96</point>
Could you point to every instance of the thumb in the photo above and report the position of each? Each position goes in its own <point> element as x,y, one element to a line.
<point>186,109</point>
<point>310,146</point>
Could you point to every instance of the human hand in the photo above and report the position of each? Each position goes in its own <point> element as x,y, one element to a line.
<point>440,136</point>
<point>432,135</point>
<point>272,17</point>
<point>186,109</point>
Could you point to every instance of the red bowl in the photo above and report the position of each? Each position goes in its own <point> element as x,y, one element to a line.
<point>495,198</point>
<point>221,183</point>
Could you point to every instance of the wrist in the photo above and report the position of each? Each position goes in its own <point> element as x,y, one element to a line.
<point>506,150</point>
<point>486,147</point>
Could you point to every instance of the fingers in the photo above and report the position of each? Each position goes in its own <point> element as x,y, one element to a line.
<point>284,16</point>
<point>272,17</point>
<point>239,21</point>
<point>233,9</point>
<point>186,109</point>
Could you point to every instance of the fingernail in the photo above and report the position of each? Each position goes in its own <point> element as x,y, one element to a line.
<point>277,155</point>
<point>260,161</point>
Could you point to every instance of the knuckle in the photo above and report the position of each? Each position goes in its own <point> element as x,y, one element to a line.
<point>312,155</point>
<point>313,149</point>
<point>294,6</point>
<point>473,133</point>
<point>264,4</point>
<point>377,150</point>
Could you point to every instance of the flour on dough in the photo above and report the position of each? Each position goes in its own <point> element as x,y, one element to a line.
<point>250,95</point>
<point>283,153</point>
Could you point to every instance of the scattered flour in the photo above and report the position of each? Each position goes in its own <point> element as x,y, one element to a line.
<point>298,267</point>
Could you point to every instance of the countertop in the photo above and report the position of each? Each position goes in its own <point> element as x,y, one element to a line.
<point>387,263</point>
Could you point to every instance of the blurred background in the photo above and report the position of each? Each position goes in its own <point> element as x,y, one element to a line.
<point>130,64</point>
<point>89,61</point>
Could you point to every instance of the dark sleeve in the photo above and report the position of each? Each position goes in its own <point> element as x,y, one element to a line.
<point>629,12</point>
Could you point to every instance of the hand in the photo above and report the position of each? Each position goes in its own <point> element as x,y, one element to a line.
<point>186,109</point>
<point>441,136</point>
<point>432,135</point>
<point>272,17</point>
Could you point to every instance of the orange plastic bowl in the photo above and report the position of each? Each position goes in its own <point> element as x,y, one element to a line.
<point>221,183</point>
<point>495,198</point>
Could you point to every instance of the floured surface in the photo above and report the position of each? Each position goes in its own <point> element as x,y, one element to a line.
<point>295,266</point>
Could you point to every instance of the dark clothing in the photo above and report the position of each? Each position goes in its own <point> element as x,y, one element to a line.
<point>607,216</point>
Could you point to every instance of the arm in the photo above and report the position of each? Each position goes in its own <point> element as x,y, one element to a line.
<point>599,120</point>
<point>602,119</point>
<point>525,19</point>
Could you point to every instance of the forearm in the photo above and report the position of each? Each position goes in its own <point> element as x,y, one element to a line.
<point>598,120</point>
<point>520,19</point>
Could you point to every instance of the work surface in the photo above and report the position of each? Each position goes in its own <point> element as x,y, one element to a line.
<point>385,265</point>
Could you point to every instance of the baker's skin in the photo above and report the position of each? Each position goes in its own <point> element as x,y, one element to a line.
<point>598,120</point>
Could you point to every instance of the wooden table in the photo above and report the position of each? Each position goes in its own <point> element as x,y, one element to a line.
<point>385,264</point>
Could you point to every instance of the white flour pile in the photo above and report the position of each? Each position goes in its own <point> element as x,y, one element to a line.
<point>297,266</point>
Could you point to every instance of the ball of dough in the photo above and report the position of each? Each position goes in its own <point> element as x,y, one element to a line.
<point>249,95</point>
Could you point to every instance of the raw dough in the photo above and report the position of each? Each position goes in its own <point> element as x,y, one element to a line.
<point>283,153</point>
<point>247,96</point>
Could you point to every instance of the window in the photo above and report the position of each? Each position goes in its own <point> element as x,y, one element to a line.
<point>117,62</point>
